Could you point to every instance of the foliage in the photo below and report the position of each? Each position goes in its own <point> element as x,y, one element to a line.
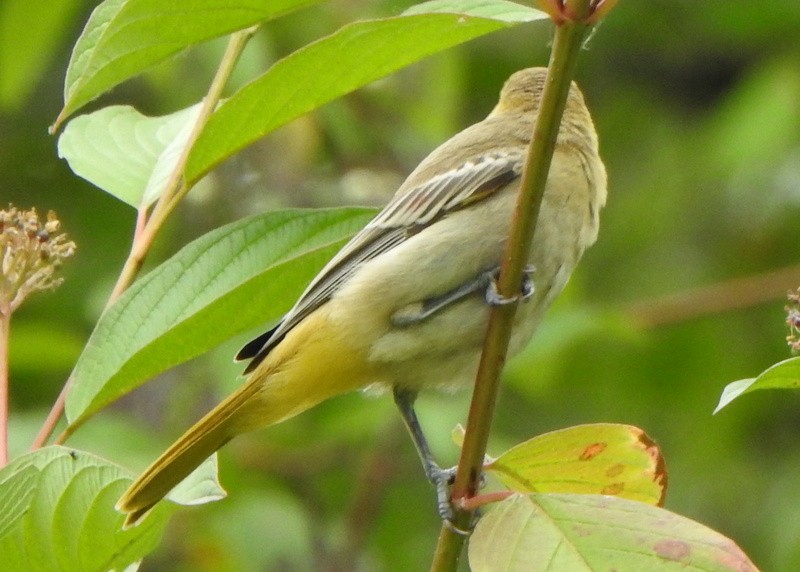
<point>592,532</point>
<point>222,284</point>
<point>695,127</point>
<point>55,514</point>
<point>783,375</point>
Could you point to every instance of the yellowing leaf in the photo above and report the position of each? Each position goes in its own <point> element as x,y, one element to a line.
<point>602,458</point>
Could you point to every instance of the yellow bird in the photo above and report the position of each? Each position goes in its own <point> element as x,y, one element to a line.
<point>405,303</point>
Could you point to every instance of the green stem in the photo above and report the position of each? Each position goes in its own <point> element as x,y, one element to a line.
<point>146,232</point>
<point>5,330</point>
<point>563,59</point>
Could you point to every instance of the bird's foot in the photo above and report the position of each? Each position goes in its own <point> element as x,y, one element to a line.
<point>493,296</point>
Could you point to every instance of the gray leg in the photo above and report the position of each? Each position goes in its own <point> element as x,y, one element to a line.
<point>485,281</point>
<point>441,478</point>
<point>427,308</point>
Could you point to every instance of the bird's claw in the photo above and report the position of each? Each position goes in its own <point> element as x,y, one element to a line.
<point>494,298</point>
<point>442,479</point>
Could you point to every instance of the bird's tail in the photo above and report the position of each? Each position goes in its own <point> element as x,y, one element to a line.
<point>309,366</point>
<point>185,455</point>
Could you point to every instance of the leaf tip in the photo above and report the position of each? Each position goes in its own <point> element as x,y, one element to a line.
<point>732,391</point>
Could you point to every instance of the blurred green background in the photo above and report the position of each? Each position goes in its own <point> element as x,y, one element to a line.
<point>697,106</point>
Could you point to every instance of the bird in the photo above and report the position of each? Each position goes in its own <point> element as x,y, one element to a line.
<point>404,304</point>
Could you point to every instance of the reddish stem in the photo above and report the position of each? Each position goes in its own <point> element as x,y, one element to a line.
<point>473,503</point>
<point>5,324</point>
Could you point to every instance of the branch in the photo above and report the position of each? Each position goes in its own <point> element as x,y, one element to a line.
<point>733,294</point>
<point>572,21</point>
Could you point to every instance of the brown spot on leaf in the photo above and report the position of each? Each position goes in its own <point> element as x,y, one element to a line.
<point>582,530</point>
<point>613,489</point>
<point>737,561</point>
<point>675,550</point>
<point>615,470</point>
<point>591,451</point>
<point>660,468</point>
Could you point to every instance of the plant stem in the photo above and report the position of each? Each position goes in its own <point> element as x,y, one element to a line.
<point>148,228</point>
<point>566,47</point>
<point>176,188</point>
<point>53,416</point>
<point>5,328</point>
<point>474,503</point>
<point>703,301</point>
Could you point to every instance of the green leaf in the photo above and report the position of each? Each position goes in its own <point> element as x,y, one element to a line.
<point>229,281</point>
<point>31,34</point>
<point>56,513</point>
<point>125,37</point>
<point>352,57</point>
<point>500,10</point>
<point>125,153</point>
<point>16,489</point>
<point>782,375</point>
<point>201,486</point>
<point>586,533</point>
<point>600,458</point>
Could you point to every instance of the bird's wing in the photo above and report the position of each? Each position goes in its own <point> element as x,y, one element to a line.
<point>405,215</point>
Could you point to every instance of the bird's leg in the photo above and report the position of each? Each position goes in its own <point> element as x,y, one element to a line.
<point>494,298</point>
<point>416,313</point>
<point>485,281</point>
<point>441,478</point>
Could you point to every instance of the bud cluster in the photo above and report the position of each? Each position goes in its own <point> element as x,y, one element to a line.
<point>30,253</point>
